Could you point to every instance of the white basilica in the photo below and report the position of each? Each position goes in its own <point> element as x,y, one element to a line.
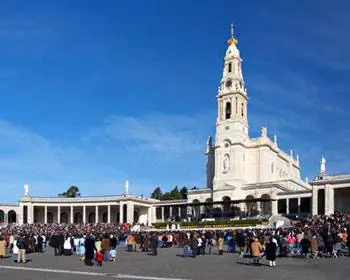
<point>246,177</point>
<point>244,169</point>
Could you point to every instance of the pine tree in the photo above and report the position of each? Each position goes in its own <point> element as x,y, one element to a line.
<point>157,193</point>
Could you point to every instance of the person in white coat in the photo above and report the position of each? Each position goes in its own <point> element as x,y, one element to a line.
<point>67,246</point>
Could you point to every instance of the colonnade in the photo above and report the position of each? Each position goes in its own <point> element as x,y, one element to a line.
<point>123,212</point>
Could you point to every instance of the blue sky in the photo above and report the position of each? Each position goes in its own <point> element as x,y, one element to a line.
<point>96,92</point>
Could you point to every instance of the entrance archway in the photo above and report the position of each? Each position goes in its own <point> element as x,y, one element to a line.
<point>196,209</point>
<point>11,217</point>
<point>251,205</point>
<point>266,205</point>
<point>209,207</point>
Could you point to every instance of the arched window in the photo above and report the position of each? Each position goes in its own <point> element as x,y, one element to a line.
<point>242,107</point>
<point>228,110</point>
<point>230,67</point>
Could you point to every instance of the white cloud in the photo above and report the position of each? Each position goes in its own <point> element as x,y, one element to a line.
<point>167,135</point>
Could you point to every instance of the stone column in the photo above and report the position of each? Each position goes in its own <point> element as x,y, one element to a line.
<point>71,214</point>
<point>109,214</point>
<point>329,200</point>
<point>58,214</point>
<point>287,204</point>
<point>170,211</point>
<point>6,218</point>
<point>274,207</point>
<point>314,200</point>
<point>31,214</point>
<point>299,204</point>
<point>274,204</point>
<point>258,206</point>
<point>149,216</point>
<point>162,207</point>
<point>96,214</point>
<point>179,212</point>
<point>84,214</point>
<point>130,212</point>
<point>121,212</point>
<point>45,214</point>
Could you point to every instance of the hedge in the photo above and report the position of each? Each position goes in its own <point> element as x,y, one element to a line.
<point>212,224</point>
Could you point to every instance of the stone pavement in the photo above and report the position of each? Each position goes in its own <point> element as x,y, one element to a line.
<point>169,266</point>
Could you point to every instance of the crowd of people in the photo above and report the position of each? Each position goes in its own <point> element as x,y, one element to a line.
<point>320,236</point>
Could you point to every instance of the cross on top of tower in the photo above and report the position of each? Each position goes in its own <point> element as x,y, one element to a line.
<point>232,40</point>
<point>232,29</point>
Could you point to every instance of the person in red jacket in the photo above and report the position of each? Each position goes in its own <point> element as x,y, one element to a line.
<point>99,257</point>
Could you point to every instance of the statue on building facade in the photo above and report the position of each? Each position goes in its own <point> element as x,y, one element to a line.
<point>26,190</point>
<point>126,187</point>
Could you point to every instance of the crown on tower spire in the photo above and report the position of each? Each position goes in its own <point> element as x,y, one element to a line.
<point>232,40</point>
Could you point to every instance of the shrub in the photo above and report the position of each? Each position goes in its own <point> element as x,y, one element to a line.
<point>212,224</point>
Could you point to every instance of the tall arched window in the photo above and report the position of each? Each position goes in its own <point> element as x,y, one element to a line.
<point>230,67</point>
<point>242,108</point>
<point>228,110</point>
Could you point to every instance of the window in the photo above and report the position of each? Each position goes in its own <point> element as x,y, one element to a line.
<point>272,167</point>
<point>228,110</point>
<point>236,105</point>
<point>242,107</point>
<point>230,67</point>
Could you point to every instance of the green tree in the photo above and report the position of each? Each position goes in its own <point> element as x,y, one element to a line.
<point>157,193</point>
<point>175,193</point>
<point>183,193</point>
<point>73,191</point>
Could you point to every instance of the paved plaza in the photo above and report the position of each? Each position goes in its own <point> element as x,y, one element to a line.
<point>168,265</point>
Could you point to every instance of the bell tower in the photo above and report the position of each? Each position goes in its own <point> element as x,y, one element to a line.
<point>231,123</point>
<point>232,120</point>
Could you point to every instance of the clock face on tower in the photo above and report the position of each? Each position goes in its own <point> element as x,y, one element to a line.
<point>228,83</point>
